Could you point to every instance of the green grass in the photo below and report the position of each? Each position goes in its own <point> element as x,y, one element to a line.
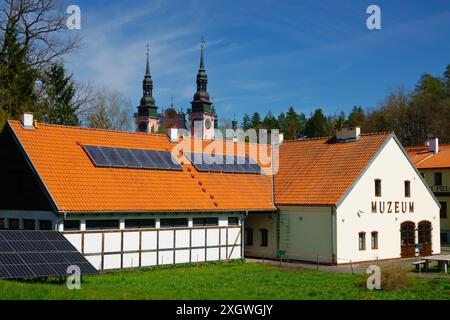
<point>235,280</point>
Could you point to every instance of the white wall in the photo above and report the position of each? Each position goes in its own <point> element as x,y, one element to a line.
<point>393,168</point>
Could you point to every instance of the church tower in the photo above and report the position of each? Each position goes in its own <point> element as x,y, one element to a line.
<point>202,116</point>
<point>147,117</point>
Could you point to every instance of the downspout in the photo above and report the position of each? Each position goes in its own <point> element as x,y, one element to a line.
<point>243,235</point>
<point>334,257</point>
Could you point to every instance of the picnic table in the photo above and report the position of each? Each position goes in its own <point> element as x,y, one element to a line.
<point>443,261</point>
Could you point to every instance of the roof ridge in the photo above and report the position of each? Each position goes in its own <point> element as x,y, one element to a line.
<point>331,137</point>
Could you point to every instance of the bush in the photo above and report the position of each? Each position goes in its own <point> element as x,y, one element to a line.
<point>392,278</point>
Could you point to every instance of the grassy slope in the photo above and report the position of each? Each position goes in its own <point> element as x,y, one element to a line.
<point>222,281</point>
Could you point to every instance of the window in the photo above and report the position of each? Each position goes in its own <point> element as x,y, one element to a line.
<point>377,188</point>
<point>374,239</point>
<point>139,223</point>
<point>362,241</point>
<point>233,221</point>
<point>407,189</point>
<point>102,224</point>
<point>71,225</point>
<point>2,223</point>
<point>248,235</point>
<point>174,222</point>
<point>264,237</point>
<point>200,222</point>
<point>438,178</point>
<point>444,237</point>
<point>443,210</point>
<point>29,224</point>
<point>14,224</point>
<point>45,224</point>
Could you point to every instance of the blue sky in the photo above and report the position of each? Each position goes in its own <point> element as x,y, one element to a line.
<point>262,55</point>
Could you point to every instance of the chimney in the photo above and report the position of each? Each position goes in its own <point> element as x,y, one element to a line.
<point>173,134</point>
<point>433,145</point>
<point>27,120</point>
<point>348,134</point>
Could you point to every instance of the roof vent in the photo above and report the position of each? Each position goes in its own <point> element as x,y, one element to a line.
<point>27,120</point>
<point>348,134</point>
<point>433,145</point>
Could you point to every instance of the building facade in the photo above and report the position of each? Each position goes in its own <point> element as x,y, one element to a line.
<point>433,162</point>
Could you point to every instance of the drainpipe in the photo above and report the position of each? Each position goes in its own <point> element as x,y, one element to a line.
<point>243,235</point>
<point>334,257</point>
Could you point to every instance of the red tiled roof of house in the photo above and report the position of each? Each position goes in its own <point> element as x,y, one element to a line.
<point>320,171</point>
<point>76,184</point>
<point>423,158</point>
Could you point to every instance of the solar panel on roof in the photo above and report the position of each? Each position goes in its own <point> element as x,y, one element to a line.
<point>112,156</point>
<point>30,253</point>
<point>97,156</point>
<point>236,164</point>
<point>132,158</point>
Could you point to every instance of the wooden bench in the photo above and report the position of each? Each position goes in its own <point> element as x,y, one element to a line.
<point>417,264</point>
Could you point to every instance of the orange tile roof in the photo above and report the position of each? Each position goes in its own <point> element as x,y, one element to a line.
<point>317,172</point>
<point>76,184</point>
<point>425,159</point>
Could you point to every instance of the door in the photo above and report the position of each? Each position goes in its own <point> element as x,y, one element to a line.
<point>407,239</point>
<point>425,238</point>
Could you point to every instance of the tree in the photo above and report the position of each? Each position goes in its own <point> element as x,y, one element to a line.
<point>270,122</point>
<point>256,121</point>
<point>316,126</point>
<point>109,110</point>
<point>59,106</point>
<point>356,118</point>
<point>246,122</point>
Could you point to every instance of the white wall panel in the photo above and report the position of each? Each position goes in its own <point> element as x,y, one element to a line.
<point>234,236</point>
<point>149,240</point>
<point>112,242</point>
<point>131,260</point>
<point>198,237</point>
<point>223,253</point>
<point>182,238</point>
<point>166,239</point>
<point>130,241</point>
<point>198,255</point>
<point>111,261</point>
<point>92,242</point>
<point>148,259</point>
<point>166,257</point>
<point>212,254</point>
<point>213,237</point>
<point>95,261</point>
<point>234,252</point>
<point>181,256</point>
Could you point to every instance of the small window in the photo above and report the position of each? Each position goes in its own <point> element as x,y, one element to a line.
<point>139,223</point>
<point>71,225</point>
<point>362,241</point>
<point>14,224</point>
<point>444,237</point>
<point>248,235</point>
<point>443,210</point>
<point>438,178</point>
<point>174,222</point>
<point>29,224</point>
<point>2,223</point>
<point>205,222</point>
<point>102,224</point>
<point>407,189</point>
<point>264,237</point>
<point>233,221</point>
<point>374,238</point>
<point>377,188</point>
<point>45,224</point>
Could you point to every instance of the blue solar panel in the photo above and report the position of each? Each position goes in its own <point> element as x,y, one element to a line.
<point>113,157</point>
<point>97,156</point>
<point>230,164</point>
<point>158,160</point>
<point>128,158</point>
<point>141,156</point>
<point>167,156</point>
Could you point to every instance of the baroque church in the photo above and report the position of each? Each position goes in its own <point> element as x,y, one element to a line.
<point>201,117</point>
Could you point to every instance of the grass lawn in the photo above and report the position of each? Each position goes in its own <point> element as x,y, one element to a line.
<point>234,280</point>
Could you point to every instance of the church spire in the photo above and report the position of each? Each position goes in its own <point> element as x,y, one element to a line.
<point>147,106</point>
<point>202,62</point>
<point>201,101</point>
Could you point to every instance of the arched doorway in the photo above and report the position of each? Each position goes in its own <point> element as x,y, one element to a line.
<point>424,228</point>
<point>407,236</point>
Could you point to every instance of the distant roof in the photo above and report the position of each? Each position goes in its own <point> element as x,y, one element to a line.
<point>320,171</point>
<point>77,185</point>
<point>425,159</point>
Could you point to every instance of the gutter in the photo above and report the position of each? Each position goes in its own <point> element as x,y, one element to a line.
<point>165,211</point>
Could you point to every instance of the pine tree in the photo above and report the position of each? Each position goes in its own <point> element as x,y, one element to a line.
<point>256,121</point>
<point>58,107</point>
<point>316,126</point>
<point>246,122</point>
